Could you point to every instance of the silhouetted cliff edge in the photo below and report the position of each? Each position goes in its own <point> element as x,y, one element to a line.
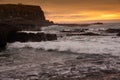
<point>17,17</point>
<point>23,15</point>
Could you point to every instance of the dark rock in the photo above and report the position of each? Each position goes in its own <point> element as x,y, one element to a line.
<point>23,14</point>
<point>118,34</point>
<point>32,77</point>
<point>113,30</point>
<point>5,30</point>
<point>94,74</point>
<point>17,17</point>
<point>98,23</point>
<point>9,33</point>
<point>3,42</point>
<point>90,34</point>
<point>85,34</point>
<point>109,71</point>
<point>5,55</point>
<point>92,56</point>
<point>24,37</point>
<point>51,37</point>
<point>117,78</point>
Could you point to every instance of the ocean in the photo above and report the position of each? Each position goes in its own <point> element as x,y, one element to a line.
<point>77,44</point>
<point>50,60</point>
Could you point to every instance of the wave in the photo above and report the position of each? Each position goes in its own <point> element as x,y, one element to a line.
<point>85,45</point>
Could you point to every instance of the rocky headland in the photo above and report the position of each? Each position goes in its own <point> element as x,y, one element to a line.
<point>19,17</point>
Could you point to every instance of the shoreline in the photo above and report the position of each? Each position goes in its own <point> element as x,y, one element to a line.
<point>54,65</point>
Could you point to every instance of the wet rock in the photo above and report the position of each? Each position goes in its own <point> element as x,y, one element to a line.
<point>5,55</point>
<point>85,34</point>
<point>113,30</point>
<point>90,34</point>
<point>24,37</point>
<point>32,77</point>
<point>7,79</point>
<point>36,37</point>
<point>117,78</point>
<point>118,34</point>
<point>51,37</point>
<point>94,74</point>
<point>5,30</point>
<point>112,71</point>
<point>92,56</point>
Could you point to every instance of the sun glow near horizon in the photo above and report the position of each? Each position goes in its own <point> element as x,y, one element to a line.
<point>83,17</point>
<point>70,11</point>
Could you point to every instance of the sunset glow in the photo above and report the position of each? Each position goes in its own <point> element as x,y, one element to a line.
<point>79,11</point>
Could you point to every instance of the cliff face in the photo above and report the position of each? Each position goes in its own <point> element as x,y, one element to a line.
<point>17,17</point>
<point>22,14</point>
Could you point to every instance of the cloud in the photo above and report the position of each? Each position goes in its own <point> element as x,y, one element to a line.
<point>76,10</point>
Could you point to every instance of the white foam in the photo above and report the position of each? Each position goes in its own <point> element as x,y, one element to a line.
<point>81,45</point>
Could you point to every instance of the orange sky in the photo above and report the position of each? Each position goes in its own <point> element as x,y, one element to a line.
<point>77,11</point>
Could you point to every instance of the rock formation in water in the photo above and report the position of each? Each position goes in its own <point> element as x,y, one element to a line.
<point>17,17</point>
<point>5,29</point>
<point>10,33</point>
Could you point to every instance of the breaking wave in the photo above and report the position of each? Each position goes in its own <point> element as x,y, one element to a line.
<point>105,44</point>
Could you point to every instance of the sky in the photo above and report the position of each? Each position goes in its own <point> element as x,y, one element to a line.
<point>76,11</point>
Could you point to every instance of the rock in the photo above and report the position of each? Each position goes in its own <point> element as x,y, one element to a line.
<point>94,74</point>
<point>118,34</point>
<point>3,42</point>
<point>113,30</point>
<point>85,34</point>
<point>24,37</point>
<point>112,71</point>
<point>5,30</point>
<point>97,23</point>
<point>19,14</point>
<point>51,37</point>
<point>5,55</point>
<point>90,34</point>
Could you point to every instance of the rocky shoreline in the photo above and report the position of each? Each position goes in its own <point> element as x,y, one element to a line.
<point>19,17</point>
<point>10,33</point>
<point>80,67</point>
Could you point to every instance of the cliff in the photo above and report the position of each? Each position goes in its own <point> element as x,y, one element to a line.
<point>22,14</point>
<point>17,17</point>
